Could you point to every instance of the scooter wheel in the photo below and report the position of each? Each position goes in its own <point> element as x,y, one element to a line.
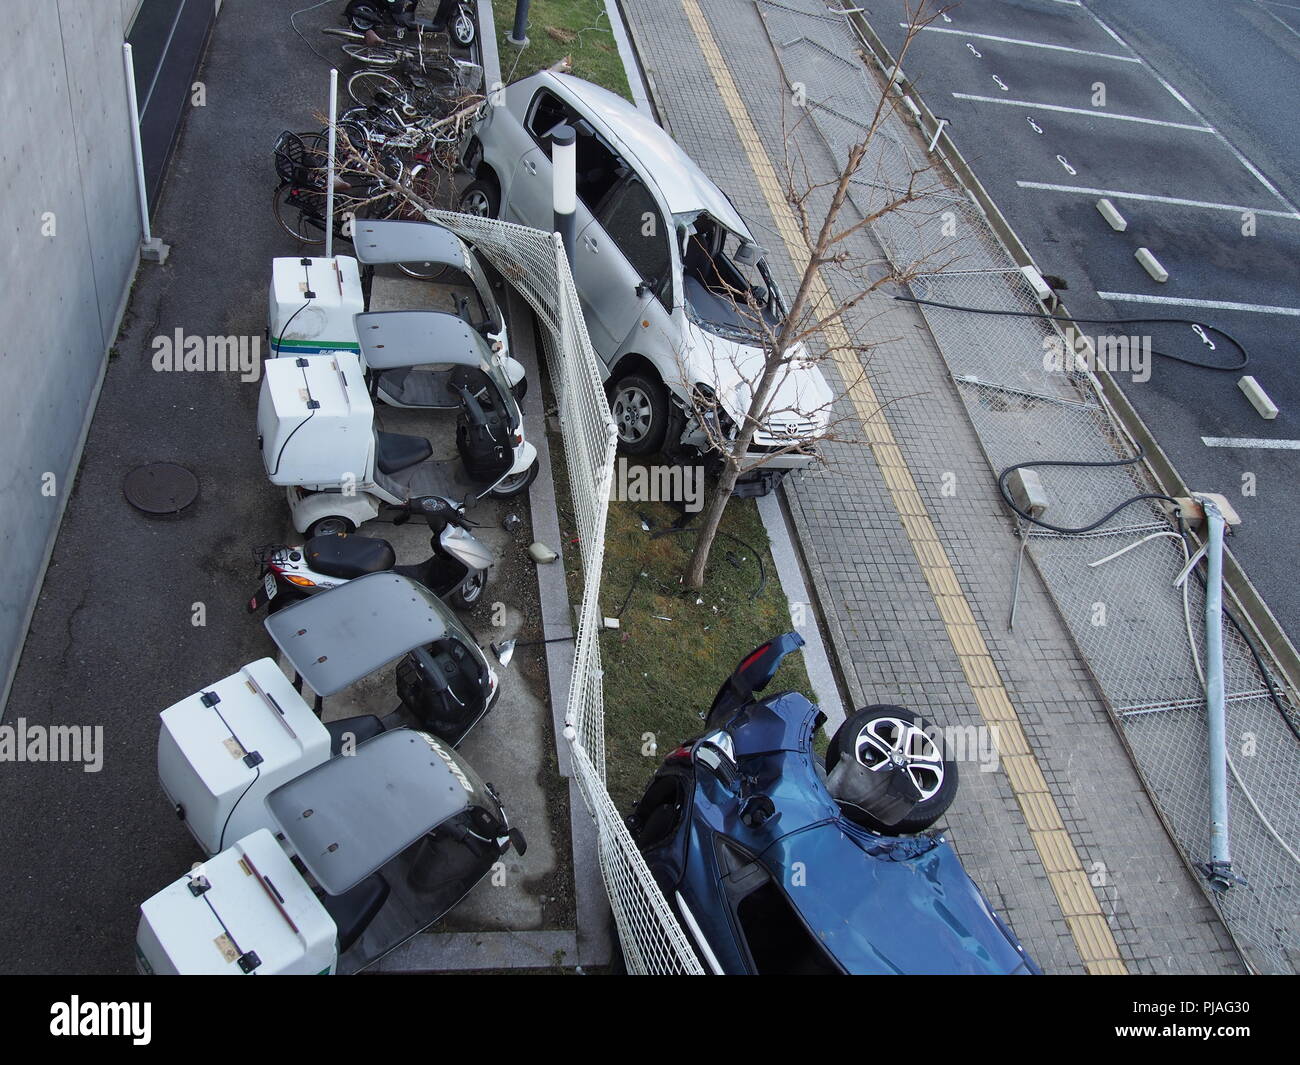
<point>330,526</point>
<point>516,484</point>
<point>463,29</point>
<point>466,595</point>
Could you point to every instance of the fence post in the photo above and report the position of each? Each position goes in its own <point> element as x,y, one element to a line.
<point>329,165</point>
<point>519,34</point>
<point>152,249</point>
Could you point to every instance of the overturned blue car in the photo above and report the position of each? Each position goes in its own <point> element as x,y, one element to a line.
<point>776,864</point>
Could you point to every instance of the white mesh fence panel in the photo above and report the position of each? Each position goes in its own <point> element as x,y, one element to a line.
<point>535,264</point>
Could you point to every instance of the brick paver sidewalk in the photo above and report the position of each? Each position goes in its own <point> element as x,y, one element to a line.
<point>1117,886</point>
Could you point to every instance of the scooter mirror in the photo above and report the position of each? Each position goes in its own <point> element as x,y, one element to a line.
<point>505,650</point>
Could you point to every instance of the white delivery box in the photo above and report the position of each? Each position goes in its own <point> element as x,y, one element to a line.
<point>244,911</point>
<point>315,421</point>
<point>312,304</point>
<point>223,749</point>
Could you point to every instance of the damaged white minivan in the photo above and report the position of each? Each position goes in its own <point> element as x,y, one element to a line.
<point>669,275</point>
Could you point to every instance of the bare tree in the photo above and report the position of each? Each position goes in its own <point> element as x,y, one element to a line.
<point>786,336</point>
<point>813,311</point>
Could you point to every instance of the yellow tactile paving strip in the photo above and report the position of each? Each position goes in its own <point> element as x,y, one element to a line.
<point>1056,850</point>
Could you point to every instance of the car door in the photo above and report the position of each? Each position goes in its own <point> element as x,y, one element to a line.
<point>623,270</point>
<point>528,200</point>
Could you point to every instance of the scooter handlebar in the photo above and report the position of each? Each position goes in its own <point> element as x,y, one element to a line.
<point>435,509</point>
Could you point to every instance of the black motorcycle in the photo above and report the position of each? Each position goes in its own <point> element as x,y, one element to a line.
<point>454,16</point>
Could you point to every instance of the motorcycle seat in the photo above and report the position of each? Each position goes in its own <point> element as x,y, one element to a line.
<point>353,911</point>
<point>397,451</point>
<point>349,556</point>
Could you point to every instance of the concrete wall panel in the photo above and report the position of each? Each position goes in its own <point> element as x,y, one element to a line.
<point>66,157</point>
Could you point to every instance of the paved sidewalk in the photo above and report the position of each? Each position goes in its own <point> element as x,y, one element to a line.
<point>893,638</point>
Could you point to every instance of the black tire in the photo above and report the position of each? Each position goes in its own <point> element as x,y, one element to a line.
<point>926,812</point>
<point>469,592</point>
<point>481,198</point>
<point>330,525</point>
<point>366,85</point>
<point>518,484</point>
<point>419,183</point>
<point>639,404</point>
<point>300,222</point>
<point>658,813</point>
<point>376,57</point>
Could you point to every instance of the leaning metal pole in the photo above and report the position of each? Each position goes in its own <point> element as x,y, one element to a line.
<point>1219,868</point>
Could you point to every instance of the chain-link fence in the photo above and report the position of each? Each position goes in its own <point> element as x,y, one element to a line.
<point>535,264</point>
<point>1141,633</point>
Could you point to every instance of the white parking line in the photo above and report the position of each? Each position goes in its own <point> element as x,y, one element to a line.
<point>1115,194</point>
<point>1282,22</point>
<point>1251,441</point>
<point>1030,44</point>
<point>1214,305</point>
<point>1241,158</point>
<point>1092,112</point>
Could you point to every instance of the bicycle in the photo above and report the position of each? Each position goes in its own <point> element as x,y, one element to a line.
<point>416,91</point>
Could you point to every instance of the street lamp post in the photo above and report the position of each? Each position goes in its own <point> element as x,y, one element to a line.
<point>564,185</point>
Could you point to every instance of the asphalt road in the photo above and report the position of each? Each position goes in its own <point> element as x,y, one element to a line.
<point>114,640</point>
<point>1200,116</point>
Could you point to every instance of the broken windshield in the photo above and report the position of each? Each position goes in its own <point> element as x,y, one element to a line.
<point>728,289</point>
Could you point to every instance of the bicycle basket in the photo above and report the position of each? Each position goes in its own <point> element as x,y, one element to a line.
<point>296,164</point>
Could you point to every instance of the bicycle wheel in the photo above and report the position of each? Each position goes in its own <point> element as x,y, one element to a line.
<point>299,215</point>
<point>372,56</point>
<point>373,88</point>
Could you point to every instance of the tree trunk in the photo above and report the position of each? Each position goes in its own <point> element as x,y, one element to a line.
<point>712,520</point>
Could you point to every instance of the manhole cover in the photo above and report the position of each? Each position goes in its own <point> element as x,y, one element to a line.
<point>160,488</point>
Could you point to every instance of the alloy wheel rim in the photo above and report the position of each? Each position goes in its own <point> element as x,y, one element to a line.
<point>632,415</point>
<point>885,742</point>
<point>472,587</point>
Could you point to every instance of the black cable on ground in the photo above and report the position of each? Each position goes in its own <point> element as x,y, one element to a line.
<point>762,570</point>
<point>294,26</point>
<point>1241,348</point>
<point>1006,495</point>
<point>1182,531</point>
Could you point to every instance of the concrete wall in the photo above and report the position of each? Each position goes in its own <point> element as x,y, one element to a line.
<point>66,158</point>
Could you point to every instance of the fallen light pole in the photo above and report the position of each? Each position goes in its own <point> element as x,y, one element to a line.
<point>1219,867</point>
<point>564,186</point>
